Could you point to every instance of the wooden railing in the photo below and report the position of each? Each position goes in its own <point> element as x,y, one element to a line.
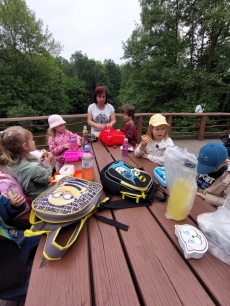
<point>182,125</point>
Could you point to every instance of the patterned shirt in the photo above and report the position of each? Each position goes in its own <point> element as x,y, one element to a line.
<point>56,145</point>
<point>155,151</point>
<point>100,116</point>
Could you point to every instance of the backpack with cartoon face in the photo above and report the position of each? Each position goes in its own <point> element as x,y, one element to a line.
<point>132,183</point>
<point>70,201</point>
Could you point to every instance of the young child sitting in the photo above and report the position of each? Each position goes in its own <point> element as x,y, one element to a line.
<point>129,130</point>
<point>213,173</point>
<point>154,144</point>
<point>58,138</point>
<point>16,250</point>
<point>15,146</point>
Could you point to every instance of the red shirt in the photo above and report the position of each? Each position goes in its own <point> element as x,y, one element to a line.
<point>130,132</point>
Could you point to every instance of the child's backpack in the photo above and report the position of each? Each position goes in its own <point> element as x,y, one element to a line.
<point>111,137</point>
<point>133,183</point>
<point>70,201</point>
<point>9,183</point>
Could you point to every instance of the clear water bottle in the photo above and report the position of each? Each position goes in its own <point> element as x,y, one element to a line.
<point>73,144</point>
<point>87,164</point>
<point>125,147</point>
<point>85,138</point>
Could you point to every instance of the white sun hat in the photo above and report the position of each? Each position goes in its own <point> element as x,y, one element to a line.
<point>55,120</point>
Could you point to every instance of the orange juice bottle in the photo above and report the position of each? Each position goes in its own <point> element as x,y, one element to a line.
<point>181,199</point>
<point>87,164</point>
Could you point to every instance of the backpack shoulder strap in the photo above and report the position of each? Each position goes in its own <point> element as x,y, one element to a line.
<point>160,199</point>
<point>53,250</point>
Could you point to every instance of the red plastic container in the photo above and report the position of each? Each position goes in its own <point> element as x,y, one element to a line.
<point>78,173</point>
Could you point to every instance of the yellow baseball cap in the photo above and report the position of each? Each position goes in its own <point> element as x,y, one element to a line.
<point>157,119</point>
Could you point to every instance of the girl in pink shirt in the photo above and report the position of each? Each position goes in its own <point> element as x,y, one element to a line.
<point>58,138</point>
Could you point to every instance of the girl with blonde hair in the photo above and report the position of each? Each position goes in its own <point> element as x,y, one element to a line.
<point>154,144</point>
<point>16,143</point>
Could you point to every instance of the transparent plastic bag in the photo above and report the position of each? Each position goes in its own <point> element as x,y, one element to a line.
<point>216,227</point>
<point>180,172</point>
<point>67,170</point>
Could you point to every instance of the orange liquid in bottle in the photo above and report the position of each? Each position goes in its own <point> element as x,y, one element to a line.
<point>88,174</point>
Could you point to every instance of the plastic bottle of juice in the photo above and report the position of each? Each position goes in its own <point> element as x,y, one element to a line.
<point>73,144</point>
<point>87,164</point>
<point>125,147</point>
<point>181,199</point>
<point>85,139</point>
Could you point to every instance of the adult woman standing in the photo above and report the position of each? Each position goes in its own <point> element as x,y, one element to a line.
<point>100,113</point>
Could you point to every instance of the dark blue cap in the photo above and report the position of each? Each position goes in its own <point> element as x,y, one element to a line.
<point>211,156</point>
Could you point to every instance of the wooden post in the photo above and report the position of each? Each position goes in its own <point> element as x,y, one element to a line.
<point>202,128</point>
<point>139,128</point>
<point>169,121</point>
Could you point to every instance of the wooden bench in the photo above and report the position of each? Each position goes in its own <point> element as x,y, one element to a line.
<point>143,266</point>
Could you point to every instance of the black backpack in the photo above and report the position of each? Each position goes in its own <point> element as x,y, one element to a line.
<point>132,183</point>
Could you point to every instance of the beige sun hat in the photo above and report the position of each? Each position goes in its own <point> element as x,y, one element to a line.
<point>55,120</point>
<point>157,119</point>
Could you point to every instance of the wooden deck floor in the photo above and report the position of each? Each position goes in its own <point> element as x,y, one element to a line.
<point>193,146</point>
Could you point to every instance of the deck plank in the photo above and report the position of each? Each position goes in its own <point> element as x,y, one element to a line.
<point>109,267</point>
<point>52,276</point>
<point>143,237</point>
<point>111,276</point>
<point>155,263</point>
<point>214,273</point>
<point>208,265</point>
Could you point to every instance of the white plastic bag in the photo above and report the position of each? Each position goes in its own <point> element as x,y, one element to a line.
<point>216,227</point>
<point>67,170</point>
<point>180,172</point>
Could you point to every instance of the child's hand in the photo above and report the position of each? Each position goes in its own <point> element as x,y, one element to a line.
<point>66,146</point>
<point>201,195</point>
<point>79,141</point>
<point>50,159</point>
<point>144,143</point>
<point>44,154</point>
<point>18,200</point>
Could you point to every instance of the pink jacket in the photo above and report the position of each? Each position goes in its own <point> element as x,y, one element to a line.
<point>56,144</point>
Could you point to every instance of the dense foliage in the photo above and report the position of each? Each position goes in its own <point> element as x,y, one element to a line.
<point>34,81</point>
<point>179,56</point>
<point>176,58</point>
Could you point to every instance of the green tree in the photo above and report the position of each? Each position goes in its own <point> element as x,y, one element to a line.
<point>113,81</point>
<point>94,74</point>
<point>178,56</point>
<point>31,79</point>
<point>76,92</point>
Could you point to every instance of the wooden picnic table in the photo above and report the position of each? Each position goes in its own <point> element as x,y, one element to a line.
<point>143,266</point>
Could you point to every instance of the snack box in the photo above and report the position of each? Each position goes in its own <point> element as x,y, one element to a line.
<point>159,173</point>
<point>71,156</point>
<point>192,241</point>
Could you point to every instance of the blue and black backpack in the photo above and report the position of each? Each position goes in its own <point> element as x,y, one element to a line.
<point>131,183</point>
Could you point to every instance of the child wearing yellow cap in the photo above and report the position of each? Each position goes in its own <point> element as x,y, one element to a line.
<point>154,146</point>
